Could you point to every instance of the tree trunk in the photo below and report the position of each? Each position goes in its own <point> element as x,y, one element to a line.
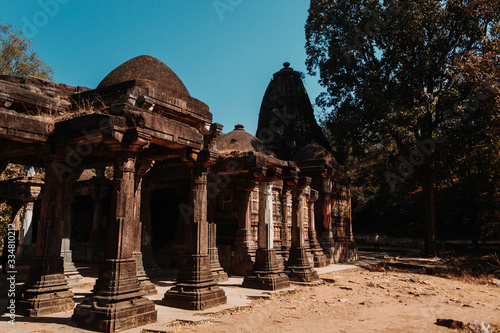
<point>430,248</point>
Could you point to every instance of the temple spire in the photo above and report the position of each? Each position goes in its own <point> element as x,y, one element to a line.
<point>286,119</point>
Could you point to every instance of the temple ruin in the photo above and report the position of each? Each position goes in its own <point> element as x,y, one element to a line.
<point>133,174</point>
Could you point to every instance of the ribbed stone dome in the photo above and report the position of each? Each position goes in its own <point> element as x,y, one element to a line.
<point>148,68</point>
<point>240,141</point>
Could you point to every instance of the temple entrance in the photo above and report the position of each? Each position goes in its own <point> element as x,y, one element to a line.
<point>166,227</point>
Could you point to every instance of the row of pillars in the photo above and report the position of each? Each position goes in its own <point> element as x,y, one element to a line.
<point>117,301</point>
<point>266,272</point>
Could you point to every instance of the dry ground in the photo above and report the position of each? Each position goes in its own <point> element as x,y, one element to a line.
<point>377,300</point>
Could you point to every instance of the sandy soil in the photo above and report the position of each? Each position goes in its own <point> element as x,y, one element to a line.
<point>365,301</point>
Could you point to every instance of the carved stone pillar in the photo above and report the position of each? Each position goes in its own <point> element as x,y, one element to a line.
<point>320,260</point>
<point>25,250</point>
<point>148,260</point>
<point>215,267</point>
<point>285,231</point>
<point>97,234</point>
<point>196,288</point>
<point>245,247</point>
<point>298,267</point>
<point>141,169</point>
<point>46,289</point>
<point>266,273</point>
<point>117,302</point>
<point>72,275</point>
<point>327,242</point>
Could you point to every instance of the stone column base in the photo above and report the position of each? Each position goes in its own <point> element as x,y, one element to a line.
<point>194,298</point>
<point>299,269</point>
<point>266,273</point>
<point>117,302</point>
<point>46,290</point>
<point>319,257</point>
<point>36,302</point>
<point>217,271</point>
<point>72,275</point>
<point>115,316</point>
<point>146,285</point>
<point>195,288</point>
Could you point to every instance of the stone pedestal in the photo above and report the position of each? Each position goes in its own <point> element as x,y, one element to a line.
<point>117,301</point>
<point>48,295</point>
<point>266,273</point>
<point>298,267</point>
<point>196,288</point>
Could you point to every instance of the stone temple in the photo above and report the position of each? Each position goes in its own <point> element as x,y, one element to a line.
<point>134,175</point>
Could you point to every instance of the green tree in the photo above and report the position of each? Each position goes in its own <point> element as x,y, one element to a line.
<point>17,56</point>
<point>413,77</point>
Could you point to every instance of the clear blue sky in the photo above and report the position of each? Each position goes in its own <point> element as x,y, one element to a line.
<point>225,51</point>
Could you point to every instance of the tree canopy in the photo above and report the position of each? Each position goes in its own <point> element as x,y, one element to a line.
<point>418,79</point>
<point>17,56</point>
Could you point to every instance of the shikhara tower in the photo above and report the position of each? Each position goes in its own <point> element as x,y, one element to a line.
<point>286,119</point>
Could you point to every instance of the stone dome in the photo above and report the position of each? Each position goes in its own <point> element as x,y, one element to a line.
<point>240,141</point>
<point>314,151</point>
<point>148,68</point>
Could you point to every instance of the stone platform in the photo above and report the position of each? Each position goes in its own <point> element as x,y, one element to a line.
<point>237,296</point>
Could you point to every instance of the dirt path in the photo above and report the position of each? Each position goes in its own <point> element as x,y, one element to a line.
<point>365,301</point>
